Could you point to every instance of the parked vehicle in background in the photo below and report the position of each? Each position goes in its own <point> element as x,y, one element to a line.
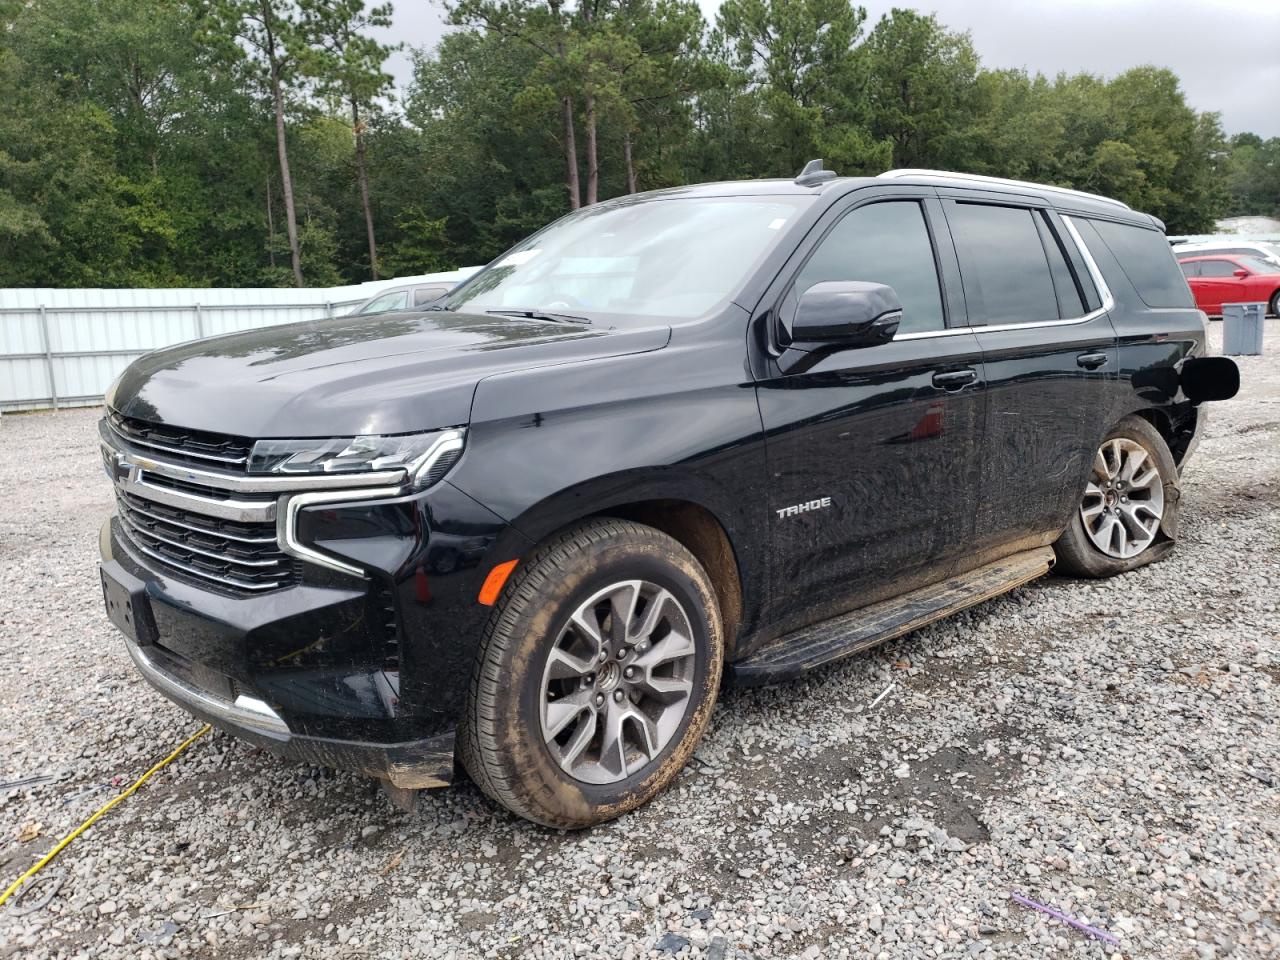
<point>1215,280</point>
<point>413,297</point>
<point>1269,252</point>
<point>667,438</point>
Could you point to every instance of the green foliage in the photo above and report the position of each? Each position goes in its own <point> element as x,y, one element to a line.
<point>1252,176</point>
<point>422,246</point>
<point>138,139</point>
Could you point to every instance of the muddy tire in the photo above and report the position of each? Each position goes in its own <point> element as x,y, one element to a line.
<point>596,675</point>
<point>1128,513</point>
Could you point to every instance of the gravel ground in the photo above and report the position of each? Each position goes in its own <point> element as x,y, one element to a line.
<point>1109,748</point>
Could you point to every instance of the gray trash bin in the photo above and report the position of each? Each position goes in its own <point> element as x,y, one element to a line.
<point>1242,329</point>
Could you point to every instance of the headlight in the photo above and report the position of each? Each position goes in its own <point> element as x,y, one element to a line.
<point>426,457</point>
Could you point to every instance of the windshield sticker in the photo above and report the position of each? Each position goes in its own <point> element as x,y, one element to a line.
<point>517,258</point>
<point>777,224</point>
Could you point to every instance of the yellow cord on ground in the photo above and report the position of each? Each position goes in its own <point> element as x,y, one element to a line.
<point>13,887</point>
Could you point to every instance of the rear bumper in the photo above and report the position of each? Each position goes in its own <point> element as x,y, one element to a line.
<point>412,765</point>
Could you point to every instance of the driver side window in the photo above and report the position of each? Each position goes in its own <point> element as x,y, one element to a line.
<point>1217,268</point>
<point>886,242</point>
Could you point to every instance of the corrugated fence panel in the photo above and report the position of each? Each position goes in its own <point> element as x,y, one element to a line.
<point>95,334</point>
<point>20,333</point>
<point>22,382</point>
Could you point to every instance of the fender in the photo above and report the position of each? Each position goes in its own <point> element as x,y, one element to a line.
<point>550,445</point>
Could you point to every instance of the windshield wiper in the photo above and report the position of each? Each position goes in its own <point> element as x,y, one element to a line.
<point>533,314</point>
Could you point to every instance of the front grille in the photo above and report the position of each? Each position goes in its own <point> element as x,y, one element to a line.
<point>195,447</point>
<point>231,555</point>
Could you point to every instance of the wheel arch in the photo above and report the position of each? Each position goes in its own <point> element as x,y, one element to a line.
<point>1176,430</point>
<point>666,506</point>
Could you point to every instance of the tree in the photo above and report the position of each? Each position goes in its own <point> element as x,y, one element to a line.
<point>919,89</point>
<point>796,63</point>
<point>347,64</point>
<point>547,28</point>
<point>1251,169</point>
<point>243,142</point>
<point>269,31</point>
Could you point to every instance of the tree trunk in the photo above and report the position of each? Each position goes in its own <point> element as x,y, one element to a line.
<point>631,167</point>
<point>290,215</point>
<point>271,227</point>
<point>570,155</point>
<point>593,166</point>
<point>363,177</point>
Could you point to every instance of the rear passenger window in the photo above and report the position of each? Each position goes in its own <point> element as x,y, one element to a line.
<point>1007,278</point>
<point>881,243</point>
<point>1064,284</point>
<point>1147,260</point>
<point>1191,269</point>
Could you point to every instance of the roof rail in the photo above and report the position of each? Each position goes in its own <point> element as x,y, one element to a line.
<point>998,181</point>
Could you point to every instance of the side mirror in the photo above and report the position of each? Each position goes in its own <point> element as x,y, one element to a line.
<point>1241,274</point>
<point>846,314</point>
<point>840,315</point>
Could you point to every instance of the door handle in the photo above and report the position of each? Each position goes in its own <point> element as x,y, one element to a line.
<point>955,379</point>
<point>1092,361</point>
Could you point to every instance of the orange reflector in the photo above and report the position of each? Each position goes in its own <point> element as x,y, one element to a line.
<point>495,581</point>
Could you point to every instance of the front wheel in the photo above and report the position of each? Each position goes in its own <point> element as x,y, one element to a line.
<point>597,675</point>
<point>1128,514</point>
<point>1275,304</point>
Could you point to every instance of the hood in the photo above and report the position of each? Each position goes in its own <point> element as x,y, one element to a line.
<point>388,373</point>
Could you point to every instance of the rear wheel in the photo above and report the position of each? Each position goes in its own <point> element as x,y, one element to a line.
<point>1275,304</point>
<point>596,677</point>
<point>1127,514</point>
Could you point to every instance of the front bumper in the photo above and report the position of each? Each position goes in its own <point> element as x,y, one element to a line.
<point>412,765</point>
<point>365,673</point>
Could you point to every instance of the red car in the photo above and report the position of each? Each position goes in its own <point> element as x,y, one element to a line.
<point>1235,278</point>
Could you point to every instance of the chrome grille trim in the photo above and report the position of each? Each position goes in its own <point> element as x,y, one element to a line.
<point>221,557</point>
<point>244,483</point>
<point>197,546</point>
<point>287,525</point>
<point>246,511</point>
<point>132,440</point>
<point>133,507</point>
<point>199,574</point>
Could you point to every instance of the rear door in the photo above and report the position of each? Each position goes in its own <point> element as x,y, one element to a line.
<point>873,453</point>
<point>1051,360</point>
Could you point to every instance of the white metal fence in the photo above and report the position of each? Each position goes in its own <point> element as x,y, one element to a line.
<point>61,348</point>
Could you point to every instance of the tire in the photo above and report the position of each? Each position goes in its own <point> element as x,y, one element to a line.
<point>536,727</point>
<point>1112,532</point>
<point>1274,306</point>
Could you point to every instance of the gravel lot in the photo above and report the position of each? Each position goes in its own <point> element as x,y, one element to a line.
<point>1109,748</point>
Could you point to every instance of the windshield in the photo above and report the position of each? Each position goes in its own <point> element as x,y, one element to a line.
<point>397,300</point>
<point>675,258</point>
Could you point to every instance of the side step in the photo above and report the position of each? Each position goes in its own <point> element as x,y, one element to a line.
<point>804,650</point>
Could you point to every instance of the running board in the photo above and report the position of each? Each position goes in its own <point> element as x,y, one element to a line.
<point>797,653</point>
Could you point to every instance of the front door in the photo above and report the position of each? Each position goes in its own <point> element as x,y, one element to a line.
<point>1050,354</point>
<point>1218,284</point>
<point>873,453</point>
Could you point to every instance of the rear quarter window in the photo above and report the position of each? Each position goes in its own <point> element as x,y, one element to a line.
<point>1147,260</point>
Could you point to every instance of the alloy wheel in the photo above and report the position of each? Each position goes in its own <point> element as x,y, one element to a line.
<point>618,682</point>
<point>1124,499</point>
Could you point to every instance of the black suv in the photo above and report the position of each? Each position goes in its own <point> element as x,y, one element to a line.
<point>735,429</point>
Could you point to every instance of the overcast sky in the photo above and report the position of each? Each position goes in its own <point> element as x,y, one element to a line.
<point>1226,52</point>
